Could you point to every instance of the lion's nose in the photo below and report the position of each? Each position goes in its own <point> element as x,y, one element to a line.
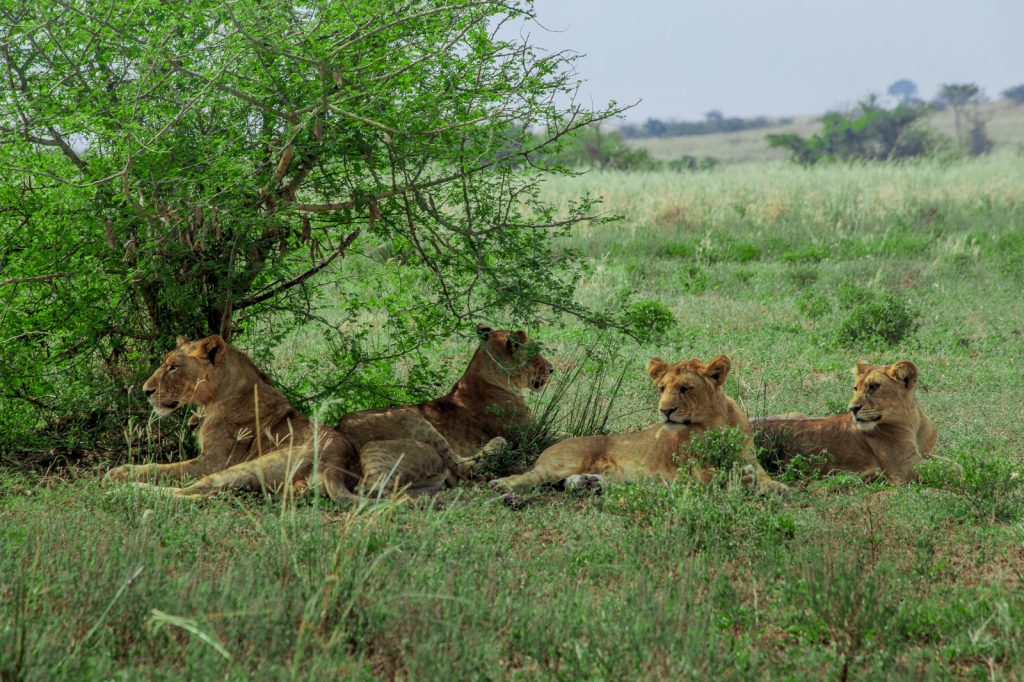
<point>667,411</point>
<point>148,391</point>
<point>855,409</point>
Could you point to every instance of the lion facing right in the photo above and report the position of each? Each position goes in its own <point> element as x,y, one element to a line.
<point>690,402</point>
<point>885,431</point>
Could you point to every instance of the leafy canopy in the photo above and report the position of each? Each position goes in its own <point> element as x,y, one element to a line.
<point>338,171</point>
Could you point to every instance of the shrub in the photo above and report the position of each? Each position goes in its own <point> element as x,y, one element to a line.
<point>648,320</point>
<point>872,133</point>
<point>719,449</point>
<point>884,321</point>
<point>1015,94</point>
<point>692,163</point>
<point>991,483</point>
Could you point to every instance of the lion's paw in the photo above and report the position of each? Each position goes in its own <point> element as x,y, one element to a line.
<point>583,482</point>
<point>121,474</point>
<point>748,477</point>
<point>775,488</point>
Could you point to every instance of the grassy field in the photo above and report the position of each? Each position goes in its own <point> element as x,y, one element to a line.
<point>779,267</point>
<point>1004,123</point>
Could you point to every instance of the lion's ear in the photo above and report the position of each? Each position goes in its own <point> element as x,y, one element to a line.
<point>656,368</point>
<point>516,340</point>
<point>212,348</point>
<point>861,368</point>
<point>483,332</point>
<point>181,341</point>
<point>718,369</point>
<point>905,372</point>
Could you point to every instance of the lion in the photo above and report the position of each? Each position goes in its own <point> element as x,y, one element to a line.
<point>440,440</point>
<point>250,436</point>
<point>885,431</point>
<point>691,402</point>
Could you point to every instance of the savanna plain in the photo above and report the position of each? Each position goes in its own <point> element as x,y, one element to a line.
<point>796,274</point>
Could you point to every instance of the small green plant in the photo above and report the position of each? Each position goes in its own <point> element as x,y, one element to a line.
<point>992,485</point>
<point>884,321</point>
<point>802,276</point>
<point>693,279</point>
<point>648,320</point>
<point>687,162</point>
<point>721,450</point>
<point>813,304</point>
<point>580,403</point>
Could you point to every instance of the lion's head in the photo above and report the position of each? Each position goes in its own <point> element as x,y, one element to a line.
<point>511,357</point>
<point>883,394</point>
<point>690,392</point>
<point>188,375</point>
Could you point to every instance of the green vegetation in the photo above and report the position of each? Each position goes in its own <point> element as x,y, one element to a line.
<point>871,133</point>
<point>338,172</point>
<point>714,122</point>
<point>1015,94</point>
<point>1004,124</point>
<point>779,266</point>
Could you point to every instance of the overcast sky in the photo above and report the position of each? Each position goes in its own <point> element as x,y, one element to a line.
<point>779,57</point>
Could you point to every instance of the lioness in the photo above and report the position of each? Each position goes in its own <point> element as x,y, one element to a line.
<point>691,402</point>
<point>250,436</point>
<point>439,440</point>
<point>885,431</point>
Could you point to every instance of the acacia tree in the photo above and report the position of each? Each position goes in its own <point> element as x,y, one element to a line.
<point>959,96</point>
<point>247,166</point>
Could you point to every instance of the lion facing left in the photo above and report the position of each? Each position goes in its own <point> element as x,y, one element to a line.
<point>250,437</point>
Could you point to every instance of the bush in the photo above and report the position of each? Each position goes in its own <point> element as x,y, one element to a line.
<point>1015,94</point>
<point>692,163</point>
<point>991,483</point>
<point>594,147</point>
<point>720,449</point>
<point>872,134</point>
<point>648,320</point>
<point>884,321</point>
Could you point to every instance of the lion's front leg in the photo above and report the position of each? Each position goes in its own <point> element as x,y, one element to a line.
<point>900,466</point>
<point>173,473</point>
<point>279,471</point>
<point>755,477</point>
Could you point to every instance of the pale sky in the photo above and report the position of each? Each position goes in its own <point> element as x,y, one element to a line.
<point>779,57</point>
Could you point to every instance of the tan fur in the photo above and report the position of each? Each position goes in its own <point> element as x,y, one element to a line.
<point>886,431</point>
<point>250,436</point>
<point>691,401</point>
<point>440,439</point>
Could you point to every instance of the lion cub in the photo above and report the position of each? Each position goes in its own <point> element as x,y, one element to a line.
<point>885,431</point>
<point>691,402</point>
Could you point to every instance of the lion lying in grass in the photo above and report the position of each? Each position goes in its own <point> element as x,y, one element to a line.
<point>691,402</point>
<point>885,431</point>
<point>439,440</point>
<point>249,435</point>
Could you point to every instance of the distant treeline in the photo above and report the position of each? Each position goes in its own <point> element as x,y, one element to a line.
<point>714,122</point>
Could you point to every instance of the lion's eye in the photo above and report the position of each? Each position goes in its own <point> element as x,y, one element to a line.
<point>684,389</point>
<point>872,387</point>
<point>171,368</point>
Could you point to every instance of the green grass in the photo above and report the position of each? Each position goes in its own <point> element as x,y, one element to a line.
<point>767,263</point>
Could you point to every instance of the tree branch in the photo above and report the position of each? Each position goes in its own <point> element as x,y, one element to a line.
<point>36,278</point>
<point>284,286</point>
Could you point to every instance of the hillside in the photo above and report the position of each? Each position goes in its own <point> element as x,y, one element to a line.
<point>1005,125</point>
